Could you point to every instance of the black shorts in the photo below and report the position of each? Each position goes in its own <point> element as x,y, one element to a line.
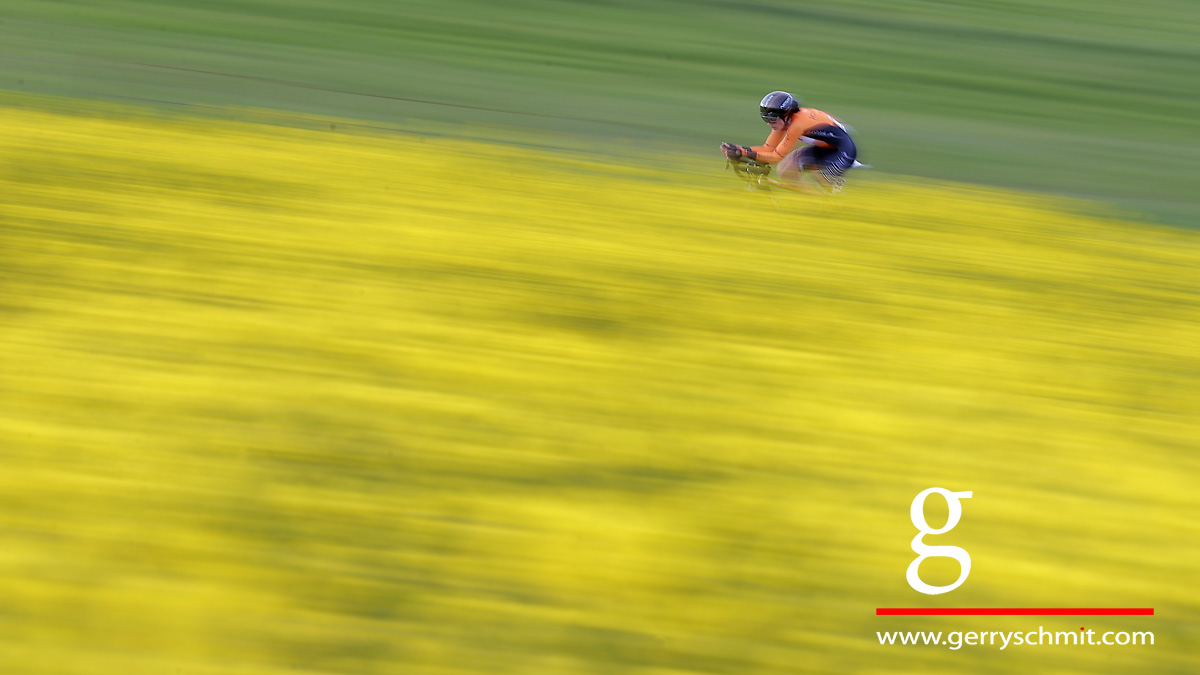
<point>833,161</point>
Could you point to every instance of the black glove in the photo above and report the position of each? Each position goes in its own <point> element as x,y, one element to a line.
<point>731,151</point>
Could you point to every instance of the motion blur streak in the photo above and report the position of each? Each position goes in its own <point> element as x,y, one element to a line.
<point>283,400</point>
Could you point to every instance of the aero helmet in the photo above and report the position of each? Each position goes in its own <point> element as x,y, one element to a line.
<point>778,105</point>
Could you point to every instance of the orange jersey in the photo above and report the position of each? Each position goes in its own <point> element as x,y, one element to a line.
<point>780,143</point>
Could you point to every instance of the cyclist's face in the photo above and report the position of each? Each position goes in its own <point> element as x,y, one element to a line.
<point>777,125</point>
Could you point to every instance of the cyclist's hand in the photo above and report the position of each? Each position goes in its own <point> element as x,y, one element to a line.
<point>731,151</point>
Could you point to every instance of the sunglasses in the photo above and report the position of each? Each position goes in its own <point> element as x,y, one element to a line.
<point>770,117</point>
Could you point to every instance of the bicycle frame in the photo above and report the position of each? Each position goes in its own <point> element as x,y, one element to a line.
<point>757,175</point>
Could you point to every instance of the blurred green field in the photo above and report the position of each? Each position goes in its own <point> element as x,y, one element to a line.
<point>1092,99</point>
<point>289,400</point>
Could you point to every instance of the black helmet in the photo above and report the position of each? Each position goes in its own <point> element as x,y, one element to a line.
<point>778,105</point>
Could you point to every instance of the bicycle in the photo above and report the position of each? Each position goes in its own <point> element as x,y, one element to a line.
<point>758,177</point>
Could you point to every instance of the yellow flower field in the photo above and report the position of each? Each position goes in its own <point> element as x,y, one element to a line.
<point>287,400</point>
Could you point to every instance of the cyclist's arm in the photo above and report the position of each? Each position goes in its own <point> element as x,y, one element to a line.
<point>778,145</point>
<point>762,153</point>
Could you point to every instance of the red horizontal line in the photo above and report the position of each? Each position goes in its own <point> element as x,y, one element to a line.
<point>1014,611</point>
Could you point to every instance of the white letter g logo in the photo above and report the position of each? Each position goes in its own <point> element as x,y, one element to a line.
<point>918,518</point>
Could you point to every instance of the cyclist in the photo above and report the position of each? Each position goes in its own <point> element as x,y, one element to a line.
<point>826,146</point>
